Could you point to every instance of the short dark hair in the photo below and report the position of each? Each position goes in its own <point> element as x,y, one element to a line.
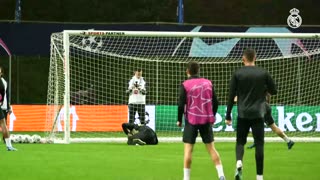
<point>249,54</point>
<point>193,67</point>
<point>138,70</point>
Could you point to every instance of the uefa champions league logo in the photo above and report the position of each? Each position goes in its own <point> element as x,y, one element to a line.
<point>294,19</point>
<point>92,43</point>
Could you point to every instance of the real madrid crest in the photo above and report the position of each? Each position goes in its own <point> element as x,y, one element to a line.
<point>294,19</point>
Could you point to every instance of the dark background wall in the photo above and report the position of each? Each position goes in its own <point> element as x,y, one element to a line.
<point>231,12</point>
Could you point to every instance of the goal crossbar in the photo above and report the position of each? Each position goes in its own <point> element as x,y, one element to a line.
<point>192,34</point>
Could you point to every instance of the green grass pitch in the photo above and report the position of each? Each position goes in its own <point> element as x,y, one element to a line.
<point>161,162</point>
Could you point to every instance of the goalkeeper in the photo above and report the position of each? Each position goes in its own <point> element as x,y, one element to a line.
<point>139,134</point>
<point>137,97</point>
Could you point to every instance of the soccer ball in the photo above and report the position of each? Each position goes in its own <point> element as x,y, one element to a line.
<point>30,139</point>
<point>46,141</point>
<point>25,138</point>
<point>17,138</point>
<point>13,138</point>
<point>36,138</point>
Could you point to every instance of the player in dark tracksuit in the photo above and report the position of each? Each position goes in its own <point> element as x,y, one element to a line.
<point>139,134</point>
<point>250,84</point>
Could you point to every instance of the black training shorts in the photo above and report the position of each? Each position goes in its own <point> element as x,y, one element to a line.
<point>190,133</point>
<point>1,115</point>
<point>268,119</point>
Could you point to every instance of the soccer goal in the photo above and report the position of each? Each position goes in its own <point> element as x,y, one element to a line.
<point>90,71</point>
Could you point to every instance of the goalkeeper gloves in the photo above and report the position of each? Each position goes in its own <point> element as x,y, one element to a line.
<point>143,91</point>
<point>129,91</point>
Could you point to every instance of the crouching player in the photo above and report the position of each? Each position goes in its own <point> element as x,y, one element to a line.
<point>139,134</point>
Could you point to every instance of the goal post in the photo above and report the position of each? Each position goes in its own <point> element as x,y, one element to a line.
<point>90,70</point>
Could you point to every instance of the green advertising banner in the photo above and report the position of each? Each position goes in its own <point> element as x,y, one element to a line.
<point>297,118</point>
<point>166,118</point>
<point>288,118</point>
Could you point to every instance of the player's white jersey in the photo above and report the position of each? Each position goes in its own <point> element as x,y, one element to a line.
<point>136,96</point>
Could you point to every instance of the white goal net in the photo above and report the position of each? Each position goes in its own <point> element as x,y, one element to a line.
<point>90,71</point>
